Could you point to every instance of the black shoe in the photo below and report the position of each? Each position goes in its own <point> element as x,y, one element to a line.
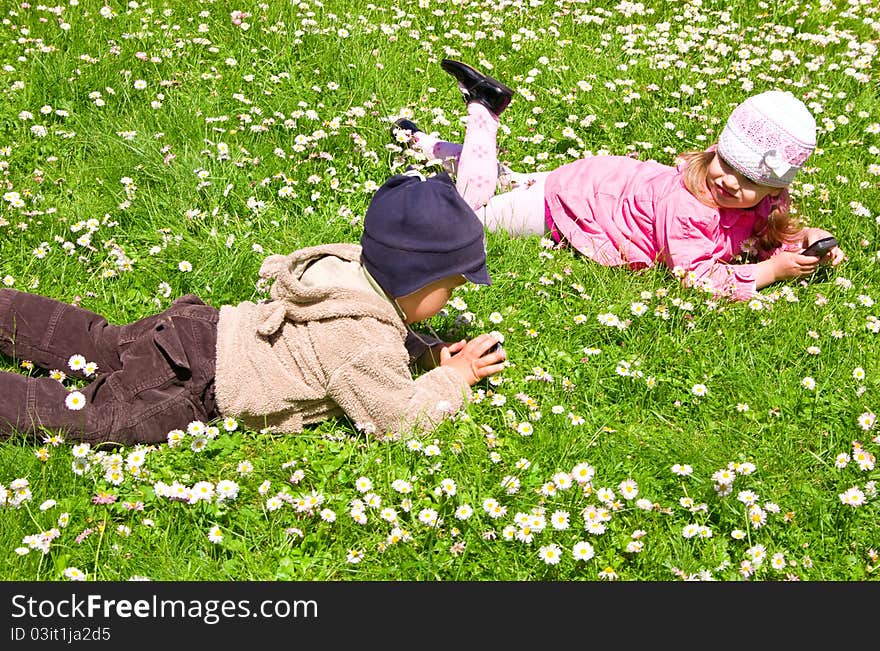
<point>404,125</point>
<point>477,87</point>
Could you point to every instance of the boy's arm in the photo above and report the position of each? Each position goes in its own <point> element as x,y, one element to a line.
<point>430,359</point>
<point>378,393</point>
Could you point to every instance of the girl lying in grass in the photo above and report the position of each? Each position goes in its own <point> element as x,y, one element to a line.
<point>697,217</point>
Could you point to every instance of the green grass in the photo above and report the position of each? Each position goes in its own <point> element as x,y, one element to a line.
<point>322,83</point>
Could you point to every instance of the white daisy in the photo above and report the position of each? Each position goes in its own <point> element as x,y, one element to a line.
<point>583,551</point>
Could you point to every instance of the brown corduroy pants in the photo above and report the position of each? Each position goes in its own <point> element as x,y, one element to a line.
<point>154,375</point>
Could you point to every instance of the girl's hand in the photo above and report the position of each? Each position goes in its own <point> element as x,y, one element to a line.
<point>790,264</point>
<point>834,257</point>
<point>784,265</point>
<point>471,359</point>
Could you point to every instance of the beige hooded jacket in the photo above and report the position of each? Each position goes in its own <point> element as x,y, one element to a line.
<point>328,342</point>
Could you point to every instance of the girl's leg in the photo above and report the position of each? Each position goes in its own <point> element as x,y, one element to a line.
<point>473,163</point>
<point>477,174</point>
<point>520,211</point>
<point>510,180</point>
<point>447,152</point>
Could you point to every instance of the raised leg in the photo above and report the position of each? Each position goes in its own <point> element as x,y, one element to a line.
<point>477,175</point>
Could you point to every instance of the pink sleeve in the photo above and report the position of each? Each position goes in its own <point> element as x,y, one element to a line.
<point>691,249</point>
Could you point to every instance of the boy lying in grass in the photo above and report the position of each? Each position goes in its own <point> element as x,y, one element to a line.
<point>332,339</point>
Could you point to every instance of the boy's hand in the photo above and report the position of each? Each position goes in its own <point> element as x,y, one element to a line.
<point>471,359</point>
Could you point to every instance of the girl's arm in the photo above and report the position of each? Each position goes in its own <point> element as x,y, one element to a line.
<point>783,265</point>
<point>691,247</point>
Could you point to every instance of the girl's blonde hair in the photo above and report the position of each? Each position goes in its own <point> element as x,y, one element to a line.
<point>781,225</point>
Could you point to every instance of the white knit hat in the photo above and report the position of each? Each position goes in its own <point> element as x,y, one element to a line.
<point>768,138</point>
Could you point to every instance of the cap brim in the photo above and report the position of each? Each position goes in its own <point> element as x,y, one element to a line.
<point>479,276</point>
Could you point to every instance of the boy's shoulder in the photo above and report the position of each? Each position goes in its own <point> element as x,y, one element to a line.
<point>344,250</point>
<point>321,283</point>
<point>278,266</point>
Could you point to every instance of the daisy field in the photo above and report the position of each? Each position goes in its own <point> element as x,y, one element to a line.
<point>642,431</point>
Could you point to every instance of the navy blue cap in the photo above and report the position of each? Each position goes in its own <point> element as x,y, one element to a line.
<point>418,230</point>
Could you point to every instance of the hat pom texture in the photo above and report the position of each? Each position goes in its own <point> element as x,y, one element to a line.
<point>418,230</point>
<point>768,138</point>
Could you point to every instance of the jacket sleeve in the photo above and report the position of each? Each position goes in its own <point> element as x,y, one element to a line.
<point>691,248</point>
<point>380,395</point>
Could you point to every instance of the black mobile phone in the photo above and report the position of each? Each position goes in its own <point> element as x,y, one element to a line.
<point>820,247</point>
<point>497,346</point>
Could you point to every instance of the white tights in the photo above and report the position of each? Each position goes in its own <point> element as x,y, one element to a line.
<point>518,211</point>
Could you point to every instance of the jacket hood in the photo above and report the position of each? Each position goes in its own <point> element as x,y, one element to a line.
<point>297,302</point>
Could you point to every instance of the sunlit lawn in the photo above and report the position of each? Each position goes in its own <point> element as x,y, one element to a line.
<point>641,432</point>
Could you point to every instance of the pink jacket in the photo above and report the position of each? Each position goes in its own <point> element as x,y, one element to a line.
<point>620,211</point>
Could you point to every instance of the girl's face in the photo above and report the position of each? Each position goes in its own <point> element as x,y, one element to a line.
<point>429,300</point>
<point>730,189</point>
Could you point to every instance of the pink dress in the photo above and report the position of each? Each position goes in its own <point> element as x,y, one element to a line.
<point>620,211</point>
